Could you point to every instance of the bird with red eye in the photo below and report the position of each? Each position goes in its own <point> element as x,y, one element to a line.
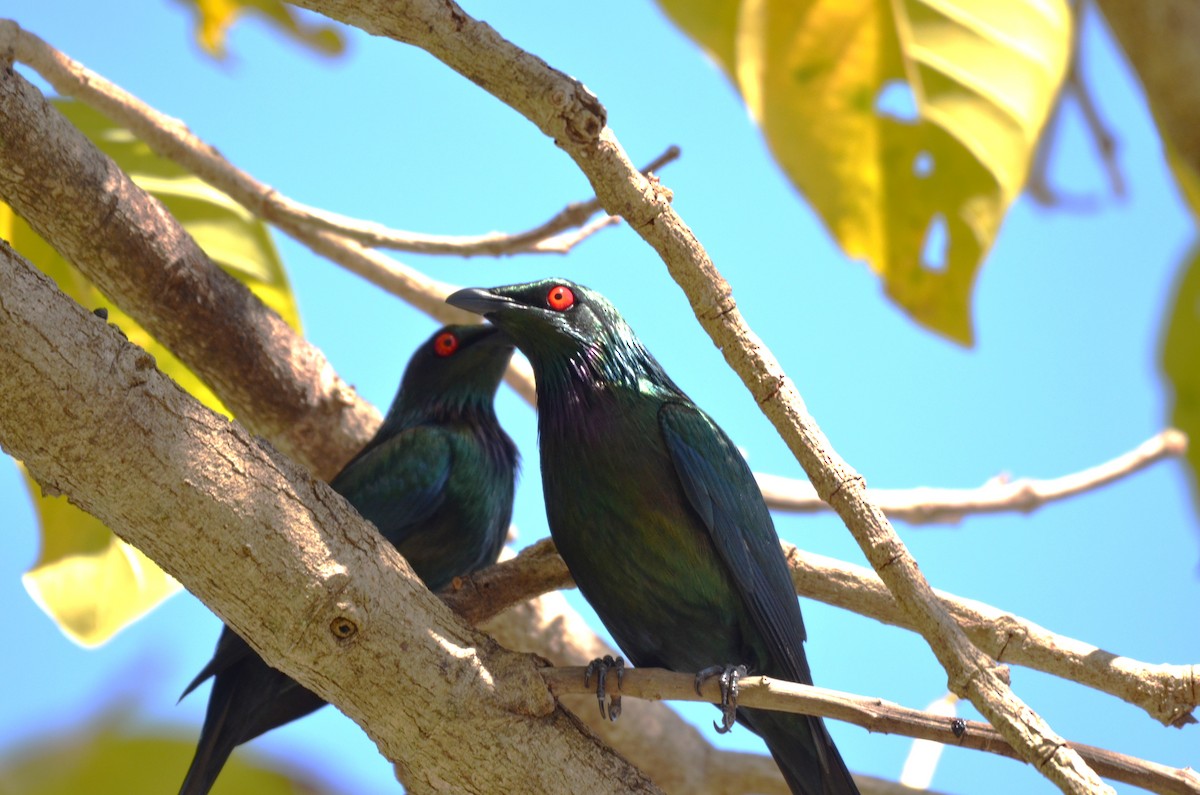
<point>445,343</point>
<point>560,298</point>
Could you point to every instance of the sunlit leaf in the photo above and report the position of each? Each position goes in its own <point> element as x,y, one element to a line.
<point>1181,361</point>
<point>109,758</point>
<point>90,582</point>
<point>909,126</point>
<point>214,18</point>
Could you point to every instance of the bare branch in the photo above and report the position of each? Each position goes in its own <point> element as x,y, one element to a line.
<point>1169,693</point>
<point>574,118</point>
<point>874,714</point>
<point>171,138</point>
<point>650,734</point>
<point>122,239</point>
<point>930,506</point>
<point>1074,87</point>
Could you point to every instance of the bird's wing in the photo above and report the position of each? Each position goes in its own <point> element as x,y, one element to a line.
<point>722,490</point>
<point>399,483</point>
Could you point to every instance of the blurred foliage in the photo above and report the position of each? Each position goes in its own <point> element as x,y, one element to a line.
<point>1181,360</point>
<point>107,758</point>
<point>89,581</point>
<point>214,18</point>
<point>910,126</point>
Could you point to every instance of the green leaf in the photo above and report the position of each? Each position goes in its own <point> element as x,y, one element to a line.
<point>818,76</point>
<point>214,18</point>
<point>90,582</point>
<point>108,758</point>
<point>1181,361</point>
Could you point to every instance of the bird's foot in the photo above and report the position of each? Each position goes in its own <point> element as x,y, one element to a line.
<point>727,677</point>
<point>600,668</point>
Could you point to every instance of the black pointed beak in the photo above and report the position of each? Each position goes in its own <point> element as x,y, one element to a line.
<point>481,302</point>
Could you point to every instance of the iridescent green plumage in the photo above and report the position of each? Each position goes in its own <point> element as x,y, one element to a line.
<point>436,480</point>
<point>656,513</point>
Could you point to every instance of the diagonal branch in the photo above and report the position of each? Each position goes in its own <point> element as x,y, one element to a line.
<point>874,714</point>
<point>563,109</point>
<point>121,238</point>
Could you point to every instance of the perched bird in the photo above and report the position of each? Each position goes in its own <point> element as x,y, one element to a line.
<point>437,480</point>
<point>658,516</point>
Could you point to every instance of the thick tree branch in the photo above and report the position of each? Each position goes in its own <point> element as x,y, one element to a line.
<point>873,714</point>
<point>1169,693</point>
<point>284,559</point>
<point>573,117</point>
<point>122,239</point>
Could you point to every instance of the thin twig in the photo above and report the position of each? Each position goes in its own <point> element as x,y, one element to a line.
<point>1168,693</point>
<point>1038,183</point>
<point>171,138</point>
<point>931,506</point>
<point>873,714</point>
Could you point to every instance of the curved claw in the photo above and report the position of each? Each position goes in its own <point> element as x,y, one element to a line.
<point>600,667</point>
<point>727,677</point>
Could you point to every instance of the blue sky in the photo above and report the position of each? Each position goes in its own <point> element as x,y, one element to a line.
<point>1068,313</point>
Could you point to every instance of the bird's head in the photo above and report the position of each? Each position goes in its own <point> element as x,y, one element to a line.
<point>458,368</point>
<point>566,329</point>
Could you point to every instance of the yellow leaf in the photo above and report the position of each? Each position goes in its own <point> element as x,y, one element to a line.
<point>89,581</point>
<point>919,195</point>
<point>214,18</point>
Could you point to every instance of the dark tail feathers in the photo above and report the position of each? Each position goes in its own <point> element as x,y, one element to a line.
<point>804,751</point>
<point>213,750</point>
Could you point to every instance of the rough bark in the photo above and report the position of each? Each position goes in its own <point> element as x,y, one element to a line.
<point>126,242</point>
<point>279,556</point>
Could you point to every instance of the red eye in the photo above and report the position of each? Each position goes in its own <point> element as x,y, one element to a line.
<point>445,343</point>
<point>560,298</point>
